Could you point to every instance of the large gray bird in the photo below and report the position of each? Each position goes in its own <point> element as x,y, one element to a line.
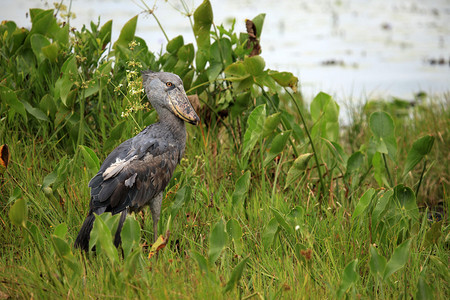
<point>136,173</point>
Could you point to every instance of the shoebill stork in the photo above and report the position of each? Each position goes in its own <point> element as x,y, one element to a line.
<point>136,173</point>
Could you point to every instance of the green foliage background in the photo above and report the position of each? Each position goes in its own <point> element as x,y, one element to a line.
<point>273,199</point>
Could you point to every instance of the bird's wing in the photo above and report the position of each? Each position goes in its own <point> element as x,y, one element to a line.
<point>133,174</point>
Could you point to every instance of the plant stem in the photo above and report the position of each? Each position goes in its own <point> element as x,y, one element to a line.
<point>152,12</point>
<point>277,172</point>
<point>80,140</point>
<point>263,175</point>
<point>387,170</point>
<point>312,146</point>
<point>421,177</point>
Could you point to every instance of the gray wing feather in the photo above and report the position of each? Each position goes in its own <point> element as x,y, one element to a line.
<point>133,174</point>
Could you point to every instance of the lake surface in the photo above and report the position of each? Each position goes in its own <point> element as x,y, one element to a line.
<point>352,49</point>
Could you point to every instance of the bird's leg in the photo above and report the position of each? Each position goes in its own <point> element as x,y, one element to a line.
<point>155,208</point>
<point>155,230</point>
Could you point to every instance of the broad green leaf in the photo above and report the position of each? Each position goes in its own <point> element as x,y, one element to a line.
<point>398,260</point>
<point>237,71</point>
<point>236,275</point>
<point>34,111</point>
<point>174,44</point>
<point>43,22</point>
<point>383,129</point>
<point>187,79</point>
<point>131,265</point>
<point>278,144</point>
<point>61,36</point>
<point>63,87</point>
<point>259,22</point>
<point>114,136</point>
<point>127,33</point>
<point>234,231</point>
<point>380,207</point>
<point>254,65</point>
<point>285,79</point>
<point>186,53</point>
<point>57,176</point>
<point>9,97</point>
<point>424,291</point>
<point>323,106</point>
<point>355,161</point>
<point>349,278</point>
<point>15,194</point>
<point>243,85</point>
<point>325,114</point>
<point>181,198</point>
<point>363,203</point>
<point>105,33</point>
<point>203,18</point>
<point>18,212</point>
<point>269,233</point>
<point>296,216</point>
<point>34,231</point>
<point>104,238</point>
<point>201,58</point>
<point>298,168</point>
<point>131,235</point>
<point>221,52</point>
<point>61,230</point>
<point>379,170</point>
<point>201,261</point>
<point>433,234</point>
<point>213,71</point>
<point>69,68</point>
<point>264,80</point>
<point>255,126</point>
<point>271,123</point>
<point>64,84</point>
<point>381,124</point>
<point>241,104</point>
<point>407,200</point>
<point>218,238</point>
<point>419,149</point>
<point>241,189</point>
<point>92,87</point>
<point>282,221</point>
<point>61,247</point>
<point>51,51</point>
<point>377,262</point>
<point>47,105</point>
<point>17,39</point>
<point>170,62</point>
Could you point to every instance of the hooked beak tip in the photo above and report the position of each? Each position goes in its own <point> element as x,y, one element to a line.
<point>196,120</point>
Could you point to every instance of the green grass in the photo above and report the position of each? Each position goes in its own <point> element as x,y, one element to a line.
<point>328,238</point>
<point>272,200</point>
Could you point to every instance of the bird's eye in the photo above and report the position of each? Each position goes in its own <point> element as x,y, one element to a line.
<point>169,84</point>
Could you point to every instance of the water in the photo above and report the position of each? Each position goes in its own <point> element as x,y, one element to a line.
<point>352,49</point>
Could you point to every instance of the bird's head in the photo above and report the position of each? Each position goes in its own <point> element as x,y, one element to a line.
<point>166,90</point>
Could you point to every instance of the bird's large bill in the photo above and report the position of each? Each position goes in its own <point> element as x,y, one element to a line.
<point>182,108</point>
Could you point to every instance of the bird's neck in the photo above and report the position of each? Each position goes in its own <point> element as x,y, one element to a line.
<point>174,124</point>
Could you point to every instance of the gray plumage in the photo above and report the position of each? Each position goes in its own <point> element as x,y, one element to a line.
<point>136,173</point>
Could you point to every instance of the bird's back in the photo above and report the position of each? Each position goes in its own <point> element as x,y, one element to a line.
<point>136,171</point>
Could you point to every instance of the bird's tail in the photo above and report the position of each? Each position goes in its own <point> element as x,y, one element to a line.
<point>82,240</point>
